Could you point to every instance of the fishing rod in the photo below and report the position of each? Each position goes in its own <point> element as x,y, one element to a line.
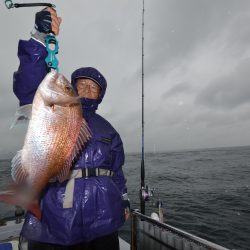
<point>142,196</point>
<point>146,192</point>
<point>50,41</point>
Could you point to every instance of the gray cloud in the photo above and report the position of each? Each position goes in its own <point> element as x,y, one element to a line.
<point>196,68</point>
<point>215,119</point>
<point>229,91</point>
<point>175,28</point>
<point>179,88</point>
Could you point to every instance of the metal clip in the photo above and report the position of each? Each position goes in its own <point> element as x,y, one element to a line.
<point>9,4</point>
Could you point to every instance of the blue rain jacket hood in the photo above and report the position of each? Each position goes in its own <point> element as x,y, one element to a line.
<point>97,208</point>
<point>93,74</point>
<point>90,105</point>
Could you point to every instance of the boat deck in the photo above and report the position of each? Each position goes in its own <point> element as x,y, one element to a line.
<point>9,237</point>
<point>146,234</point>
<point>14,243</point>
<point>124,245</point>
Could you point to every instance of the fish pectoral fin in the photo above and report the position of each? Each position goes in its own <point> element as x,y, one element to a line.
<point>64,172</point>
<point>23,115</point>
<point>17,172</point>
<point>84,136</point>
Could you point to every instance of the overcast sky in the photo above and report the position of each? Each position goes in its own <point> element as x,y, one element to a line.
<point>197,68</point>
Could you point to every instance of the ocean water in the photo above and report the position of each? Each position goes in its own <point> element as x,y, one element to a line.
<point>204,192</point>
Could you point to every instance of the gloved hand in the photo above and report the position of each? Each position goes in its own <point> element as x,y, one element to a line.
<point>47,21</point>
<point>126,205</point>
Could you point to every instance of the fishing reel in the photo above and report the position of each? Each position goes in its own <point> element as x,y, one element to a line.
<point>147,193</point>
<point>19,213</point>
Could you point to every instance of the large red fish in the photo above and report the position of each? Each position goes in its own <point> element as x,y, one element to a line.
<point>56,134</point>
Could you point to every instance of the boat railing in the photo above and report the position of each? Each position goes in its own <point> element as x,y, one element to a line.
<point>147,233</point>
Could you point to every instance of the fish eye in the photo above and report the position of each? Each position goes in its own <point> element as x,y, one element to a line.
<point>68,89</point>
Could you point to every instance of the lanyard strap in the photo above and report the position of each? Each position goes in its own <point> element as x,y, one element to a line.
<point>9,4</point>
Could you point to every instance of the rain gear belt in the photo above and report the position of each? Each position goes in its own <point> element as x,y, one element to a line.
<point>81,173</point>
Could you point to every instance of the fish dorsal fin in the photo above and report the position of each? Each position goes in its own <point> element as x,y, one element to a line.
<point>17,172</point>
<point>83,138</point>
<point>23,115</point>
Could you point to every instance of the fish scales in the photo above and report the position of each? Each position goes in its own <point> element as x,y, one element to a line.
<point>51,137</point>
<point>56,134</point>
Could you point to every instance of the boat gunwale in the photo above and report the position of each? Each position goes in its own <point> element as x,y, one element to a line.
<point>136,214</point>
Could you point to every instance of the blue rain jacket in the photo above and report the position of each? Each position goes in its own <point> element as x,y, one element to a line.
<point>97,204</point>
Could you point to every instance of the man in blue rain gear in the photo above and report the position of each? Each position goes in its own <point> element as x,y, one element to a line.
<point>84,212</point>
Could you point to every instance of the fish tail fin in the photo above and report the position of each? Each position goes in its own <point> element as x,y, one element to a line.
<point>35,209</point>
<point>12,198</point>
<point>8,197</point>
<point>16,199</point>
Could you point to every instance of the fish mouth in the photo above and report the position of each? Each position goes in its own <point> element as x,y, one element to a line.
<point>62,100</point>
<point>58,79</point>
<point>57,90</point>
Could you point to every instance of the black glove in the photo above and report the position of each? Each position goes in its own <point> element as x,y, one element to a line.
<point>43,22</point>
<point>126,204</point>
